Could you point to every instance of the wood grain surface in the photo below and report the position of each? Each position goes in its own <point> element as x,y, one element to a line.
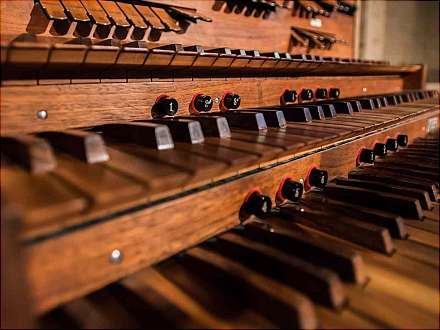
<point>75,262</point>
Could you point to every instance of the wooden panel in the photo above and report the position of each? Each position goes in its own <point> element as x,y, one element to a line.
<point>149,235</point>
<point>273,33</point>
<point>80,105</point>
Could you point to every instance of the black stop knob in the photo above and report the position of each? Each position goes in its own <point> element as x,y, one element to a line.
<point>258,204</point>
<point>165,106</point>
<point>318,178</point>
<point>292,190</point>
<point>321,93</point>
<point>392,144</point>
<point>334,93</point>
<point>306,94</point>
<point>202,103</point>
<point>231,101</point>
<point>366,156</point>
<point>289,95</point>
<point>402,140</point>
<point>380,149</point>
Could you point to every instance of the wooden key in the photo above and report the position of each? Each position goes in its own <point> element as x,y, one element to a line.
<point>405,206</point>
<point>53,9</point>
<point>215,126</point>
<point>263,152</point>
<point>30,152</point>
<point>135,19</point>
<point>198,166</point>
<point>43,198</point>
<point>321,284</point>
<point>376,175</point>
<point>146,134</point>
<point>345,262</point>
<point>320,130</point>
<point>100,309</point>
<point>219,153</point>
<point>150,17</point>
<point>117,17</point>
<point>169,304</point>
<point>99,16</point>
<point>86,146</point>
<point>183,130</point>
<point>368,235</point>
<point>99,183</point>
<point>157,176</point>
<point>273,118</point>
<point>426,174</point>
<point>166,19</point>
<point>275,301</point>
<point>421,195</point>
<point>300,114</point>
<point>78,14</point>
<point>243,120</point>
<point>281,141</point>
<point>189,14</point>
<point>393,222</point>
<point>316,111</point>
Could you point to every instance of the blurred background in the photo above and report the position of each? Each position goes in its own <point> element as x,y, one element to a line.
<point>400,32</point>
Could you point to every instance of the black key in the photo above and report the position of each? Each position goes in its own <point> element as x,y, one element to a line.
<point>216,126</point>
<point>347,263</point>
<point>146,134</point>
<point>319,283</point>
<point>343,107</point>
<point>183,130</point>
<point>273,118</point>
<point>406,206</point>
<point>386,177</point>
<point>421,195</point>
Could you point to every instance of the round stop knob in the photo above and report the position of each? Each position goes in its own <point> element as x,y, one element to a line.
<point>289,96</point>
<point>402,140</point>
<point>366,156</point>
<point>165,106</point>
<point>391,144</point>
<point>334,93</point>
<point>292,190</point>
<point>306,94</point>
<point>258,204</point>
<point>231,101</point>
<point>380,150</point>
<point>318,178</point>
<point>202,103</point>
<point>321,93</point>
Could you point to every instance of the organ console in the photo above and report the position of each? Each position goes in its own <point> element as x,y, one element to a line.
<point>184,164</point>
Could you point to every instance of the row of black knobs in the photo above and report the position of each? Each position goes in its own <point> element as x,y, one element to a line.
<point>260,205</point>
<point>307,94</point>
<point>381,149</point>
<point>168,106</point>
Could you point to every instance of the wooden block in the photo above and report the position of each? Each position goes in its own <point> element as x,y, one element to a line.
<point>117,17</point>
<point>78,14</point>
<point>32,153</point>
<point>135,19</point>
